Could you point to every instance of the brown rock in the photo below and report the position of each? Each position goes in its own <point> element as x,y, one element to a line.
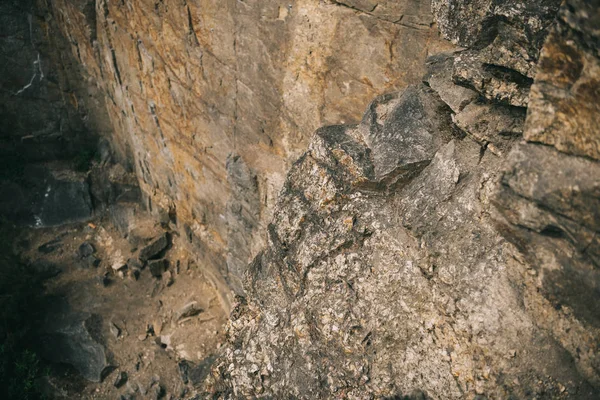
<point>565,99</point>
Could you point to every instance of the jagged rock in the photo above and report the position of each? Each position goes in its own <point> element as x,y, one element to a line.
<point>456,282</point>
<point>506,39</point>
<point>439,78</point>
<point>552,201</point>
<point>565,102</point>
<point>497,84</point>
<point>154,248</point>
<point>72,337</point>
<point>157,267</point>
<point>195,373</point>
<point>476,23</point>
<point>492,123</point>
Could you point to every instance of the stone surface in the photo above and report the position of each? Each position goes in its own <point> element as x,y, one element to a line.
<point>473,275</point>
<point>85,249</point>
<point>72,337</point>
<point>157,267</point>
<point>505,37</point>
<point>423,251</point>
<point>154,248</point>
<point>188,84</point>
<point>565,105</point>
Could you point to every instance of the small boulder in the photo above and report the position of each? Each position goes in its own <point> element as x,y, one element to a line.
<point>189,310</point>
<point>154,248</point>
<point>119,266</point>
<point>157,267</point>
<point>115,330</point>
<point>86,249</point>
<point>121,379</point>
<point>134,263</point>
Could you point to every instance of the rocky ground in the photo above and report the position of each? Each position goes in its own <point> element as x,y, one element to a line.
<point>118,325</point>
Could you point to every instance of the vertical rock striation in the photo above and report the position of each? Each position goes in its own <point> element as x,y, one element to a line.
<point>189,83</point>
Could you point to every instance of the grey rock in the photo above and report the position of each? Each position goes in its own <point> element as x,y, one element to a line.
<point>375,286</point>
<point>195,373</point>
<point>243,216</point>
<point>439,78</point>
<point>157,267</point>
<point>404,130</point>
<point>72,337</point>
<point>154,248</point>
<point>492,123</point>
<point>61,200</point>
<point>85,249</point>
<point>115,330</point>
<point>474,23</point>
<point>505,38</point>
<point>495,83</point>
<point>552,202</point>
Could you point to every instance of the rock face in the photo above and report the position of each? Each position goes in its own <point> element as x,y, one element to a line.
<point>443,246</point>
<point>72,337</point>
<point>564,99</point>
<point>429,251</point>
<point>190,85</point>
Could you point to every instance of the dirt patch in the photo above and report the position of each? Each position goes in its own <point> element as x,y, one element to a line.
<point>156,331</point>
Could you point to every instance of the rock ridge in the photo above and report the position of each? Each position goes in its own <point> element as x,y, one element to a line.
<point>442,248</point>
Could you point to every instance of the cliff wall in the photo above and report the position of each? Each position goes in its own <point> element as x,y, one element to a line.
<point>210,101</point>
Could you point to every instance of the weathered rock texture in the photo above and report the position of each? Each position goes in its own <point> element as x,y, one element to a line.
<point>192,84</point>
<point>429,250</point>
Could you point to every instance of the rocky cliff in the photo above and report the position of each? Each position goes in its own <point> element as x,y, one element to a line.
<point>441,244</point>
<point>446,246</point>
<point>199,91</point>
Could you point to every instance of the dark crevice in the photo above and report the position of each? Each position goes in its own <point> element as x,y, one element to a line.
<point>192,31</point>
<point>507,74</point>
<point>116,65</point>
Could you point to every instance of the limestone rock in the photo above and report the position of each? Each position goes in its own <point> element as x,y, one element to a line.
<point>439,78</point>
<point>189,84</point>
<point>565,105</point>
<point>472,274</point>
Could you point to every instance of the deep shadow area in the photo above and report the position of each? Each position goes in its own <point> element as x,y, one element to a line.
<point>20,305</point>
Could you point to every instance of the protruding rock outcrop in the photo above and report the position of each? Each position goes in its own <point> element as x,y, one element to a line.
<point>429,250</point>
